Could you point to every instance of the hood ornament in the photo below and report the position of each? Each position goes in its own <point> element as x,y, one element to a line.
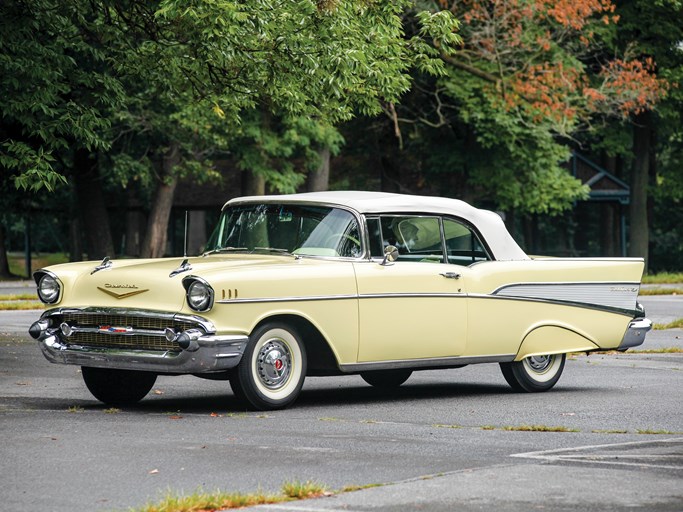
<point>184,267</point>
<point>106,263</point>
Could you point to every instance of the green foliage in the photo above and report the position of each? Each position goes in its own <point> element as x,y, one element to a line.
<point>55,90</point>
<point>129,81</point>
<point>34,166</point>
<point>514,97</point>
<point>282,149</point>
<point>518,163</point>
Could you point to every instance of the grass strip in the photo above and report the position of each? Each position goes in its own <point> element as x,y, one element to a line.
<point>218,500</point>
<point>664,350</point>
<point>676,324</point>
<point>661,291</point>
<point>19,296</point>
<point>16,305</point>
<point>658,432</point>
<point>539,428</point>
<point>664,278</point>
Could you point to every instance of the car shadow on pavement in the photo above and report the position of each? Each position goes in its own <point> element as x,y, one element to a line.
<point>174,401</point>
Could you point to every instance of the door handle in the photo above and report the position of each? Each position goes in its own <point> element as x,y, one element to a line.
<point>450,275</point>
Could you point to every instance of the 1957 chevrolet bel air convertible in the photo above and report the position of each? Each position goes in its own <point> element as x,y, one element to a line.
<point>336,283</point>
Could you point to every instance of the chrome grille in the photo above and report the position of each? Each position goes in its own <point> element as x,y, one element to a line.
<point>133,341</point>
<point>138,322</point>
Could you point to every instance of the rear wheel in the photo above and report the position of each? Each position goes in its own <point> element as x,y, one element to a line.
<point>535,373</point>
<point>386,378</point>
<point>272,370</point>
<point>118,387</point>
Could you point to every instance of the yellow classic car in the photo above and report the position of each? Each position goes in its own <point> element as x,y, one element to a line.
<point>335,283</point>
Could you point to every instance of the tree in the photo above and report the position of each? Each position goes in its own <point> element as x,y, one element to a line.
<point>647,139</point>
<point>654,32</point>
<point>183,77</point>
<point>527,81</point>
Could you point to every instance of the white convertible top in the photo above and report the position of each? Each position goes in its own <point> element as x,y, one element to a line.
<point>489,224</point>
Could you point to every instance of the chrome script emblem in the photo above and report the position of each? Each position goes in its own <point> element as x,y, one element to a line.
<point>110,329</point>
<point>624,289</point>
<point>123,295</point>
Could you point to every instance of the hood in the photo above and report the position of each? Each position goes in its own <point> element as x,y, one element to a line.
<point>146,284</point>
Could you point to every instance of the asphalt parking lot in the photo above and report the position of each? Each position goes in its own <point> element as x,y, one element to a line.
<point>446,440</point>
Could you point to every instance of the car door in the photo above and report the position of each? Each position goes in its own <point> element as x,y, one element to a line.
<point>415,307</point>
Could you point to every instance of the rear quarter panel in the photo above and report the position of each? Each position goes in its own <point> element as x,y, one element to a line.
<point>521,307</point>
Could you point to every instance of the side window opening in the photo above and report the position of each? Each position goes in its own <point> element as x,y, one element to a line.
<point>417,238</point>
<point>425,239</point>
<point>463,246</point>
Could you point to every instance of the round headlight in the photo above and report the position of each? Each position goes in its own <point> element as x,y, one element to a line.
<point>199,296</point>
<point>48,289</point>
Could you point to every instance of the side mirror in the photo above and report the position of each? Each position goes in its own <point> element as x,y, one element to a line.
<point>390,255</point>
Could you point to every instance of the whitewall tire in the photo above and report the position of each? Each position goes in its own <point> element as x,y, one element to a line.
<point>535,373</point>
<point>273,368</point>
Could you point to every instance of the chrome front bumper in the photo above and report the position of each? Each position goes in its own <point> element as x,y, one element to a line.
<point>635,333</point>
<point>198,350</point>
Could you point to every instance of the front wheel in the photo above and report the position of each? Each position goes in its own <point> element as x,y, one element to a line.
<point>535,373</point>
<point>272,370</point>
<point>118,387</point>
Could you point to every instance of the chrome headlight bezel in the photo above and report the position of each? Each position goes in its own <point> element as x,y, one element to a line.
<point>198,293</point>
<point>48,286</point>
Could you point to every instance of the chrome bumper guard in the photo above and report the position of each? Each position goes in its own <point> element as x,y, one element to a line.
<point>635,333</point>
<point>201,350</point>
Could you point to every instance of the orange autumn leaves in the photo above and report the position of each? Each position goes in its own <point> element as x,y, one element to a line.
<point>543,56</point>
<point>558,92</point>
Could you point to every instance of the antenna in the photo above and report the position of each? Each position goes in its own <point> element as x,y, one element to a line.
<point>185,241</point>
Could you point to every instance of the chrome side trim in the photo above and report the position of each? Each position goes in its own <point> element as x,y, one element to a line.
<point>618,295</point>
<point>287,299</point>
<point>342,297</point>
<point>439,362</point>
<point>585,305</point>
<point>635,333</point>
<point>411,295</point>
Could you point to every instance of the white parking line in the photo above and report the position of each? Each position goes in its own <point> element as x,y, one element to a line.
<point>575,455</point>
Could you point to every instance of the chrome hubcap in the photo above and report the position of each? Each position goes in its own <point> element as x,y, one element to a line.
<point>274,364</point>
<point>539,364</point>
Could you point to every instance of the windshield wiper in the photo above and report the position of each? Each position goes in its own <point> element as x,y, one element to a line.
<point>225,249</point>
<point>273,249</point>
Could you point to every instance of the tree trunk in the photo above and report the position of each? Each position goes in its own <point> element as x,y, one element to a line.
<point>75,240</point>
<point>4,262</point>
<point>319,179</point>
<point>135,225</point>
<point>196,236</point>
<point>154,245</point>
<point>639,237</point>
<point>607,231</point>
<point>253,184</point>
<point>609,222</point>
<point>92,207</point>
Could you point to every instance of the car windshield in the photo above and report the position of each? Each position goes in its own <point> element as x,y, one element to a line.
<point>296,229</point>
